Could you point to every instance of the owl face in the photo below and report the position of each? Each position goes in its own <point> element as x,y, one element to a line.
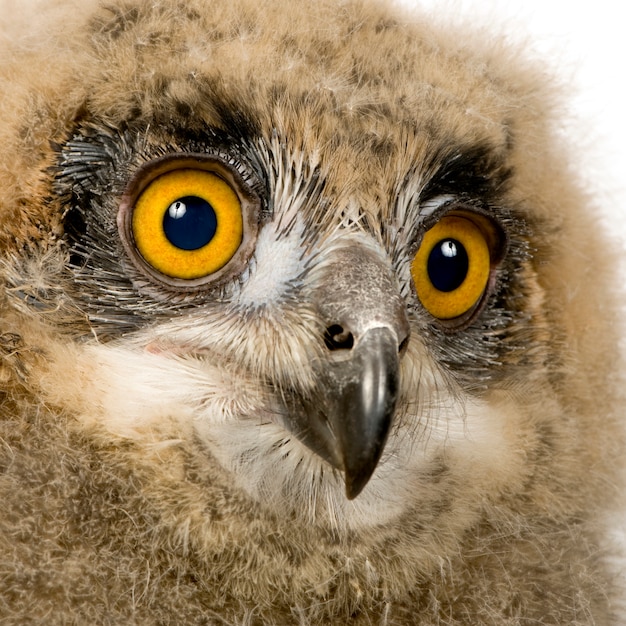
<point>311,263</point>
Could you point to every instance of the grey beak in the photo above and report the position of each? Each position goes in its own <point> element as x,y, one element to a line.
<point>347,417</point>
<point>359,407</point>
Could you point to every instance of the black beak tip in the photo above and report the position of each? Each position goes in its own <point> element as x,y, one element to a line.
<point>355,484</point>
<point>358,475</point>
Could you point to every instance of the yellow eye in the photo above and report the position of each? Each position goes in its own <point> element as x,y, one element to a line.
<point>451,268</point>
<point>187,223</point>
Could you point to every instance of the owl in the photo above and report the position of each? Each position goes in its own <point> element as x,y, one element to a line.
<point>306,318</point>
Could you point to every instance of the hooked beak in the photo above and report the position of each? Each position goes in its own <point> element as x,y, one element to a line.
<point>347,417</point>
<point>349,427</point>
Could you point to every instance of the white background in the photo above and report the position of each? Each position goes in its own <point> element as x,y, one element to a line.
<point>585,43</point>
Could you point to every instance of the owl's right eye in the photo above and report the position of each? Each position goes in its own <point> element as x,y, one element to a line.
<point>189,222</point>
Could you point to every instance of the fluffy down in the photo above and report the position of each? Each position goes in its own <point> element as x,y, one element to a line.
<point>146,472</point>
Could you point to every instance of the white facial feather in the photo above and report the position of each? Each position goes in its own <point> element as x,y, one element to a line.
<point>159,397</point>
<point>277,263</point>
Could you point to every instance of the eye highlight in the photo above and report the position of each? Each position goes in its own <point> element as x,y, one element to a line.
<point>187,223</point>
<point>451,268</point>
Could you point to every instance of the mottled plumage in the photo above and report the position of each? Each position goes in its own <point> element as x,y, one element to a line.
<point>311,433</point>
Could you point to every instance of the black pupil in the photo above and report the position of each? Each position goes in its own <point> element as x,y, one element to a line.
<point>448,265</point>
<point>190,223</point>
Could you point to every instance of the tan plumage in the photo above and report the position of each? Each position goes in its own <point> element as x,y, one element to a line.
<point>157,433</point>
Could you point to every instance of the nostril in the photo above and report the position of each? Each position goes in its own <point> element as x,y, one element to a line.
<point>337,338</point>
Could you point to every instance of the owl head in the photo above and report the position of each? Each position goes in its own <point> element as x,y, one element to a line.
<point>340,256</point>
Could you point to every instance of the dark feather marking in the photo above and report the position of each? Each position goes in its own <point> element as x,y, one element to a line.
<point>477,177</point>
<point>93,170</point>
<point>477,171</point>
<point>118,21</point>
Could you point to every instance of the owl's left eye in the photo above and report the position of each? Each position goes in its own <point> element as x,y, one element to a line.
<point>188,222</point>
<point>452,267</point>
